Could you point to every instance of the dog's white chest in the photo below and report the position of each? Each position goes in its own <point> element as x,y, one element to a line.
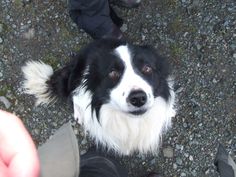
<point>123,132</point>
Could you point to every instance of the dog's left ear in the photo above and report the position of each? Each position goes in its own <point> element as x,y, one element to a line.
<point>66,79</point>
<point>76,73</point>
<point>59,81</point>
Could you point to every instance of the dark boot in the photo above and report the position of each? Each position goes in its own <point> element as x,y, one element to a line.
<point>96,18</point>
<point>126,3</point>
<point>153,174</point>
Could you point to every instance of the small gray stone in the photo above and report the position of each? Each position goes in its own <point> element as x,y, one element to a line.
<point>82,152</point>
<point>36,131</point>
<point>175,166</point>
<point>84,141</point>
<point>76,131</point>
<point>1,28</point>
<point>179,147</point>
<point>153,161</point>
<point>168,152</point>
<point>186,154</point>
<point>143,37</point>
<point>29,34</point>
<point>54,124</point>
<point>1,40</point>
<point>234,55</point>
<point>179,161</point>
<point>124,28</point>
<point>8,17</point>
<point>214,81</point>
<point>5,101</point>
<point>199,47</point>
<point>185,125</point>
<point>233,46</point>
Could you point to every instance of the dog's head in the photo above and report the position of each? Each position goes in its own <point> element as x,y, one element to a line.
<point>125,76</point>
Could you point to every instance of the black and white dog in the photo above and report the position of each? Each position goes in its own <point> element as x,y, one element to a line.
<point>122,93</point>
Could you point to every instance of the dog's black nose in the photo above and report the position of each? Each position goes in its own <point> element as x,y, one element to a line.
<point>137,98</point>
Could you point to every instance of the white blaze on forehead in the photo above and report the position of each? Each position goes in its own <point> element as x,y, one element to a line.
<point>124,53</point>
<point>130,80</point>
<point>129,76</point>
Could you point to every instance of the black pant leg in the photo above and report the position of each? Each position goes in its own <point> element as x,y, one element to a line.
<point>89,9</point>
<point>95,17</point>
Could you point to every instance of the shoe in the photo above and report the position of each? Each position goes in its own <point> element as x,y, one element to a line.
<point>126,3</point>
<point>115,18</point>
<point>97,30</point>
<point>153,174</point>
<point>115,33</point>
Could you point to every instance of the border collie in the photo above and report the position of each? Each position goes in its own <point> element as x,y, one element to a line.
<point>122,93</point>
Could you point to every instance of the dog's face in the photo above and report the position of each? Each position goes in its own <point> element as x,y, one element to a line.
<point>127,77</point>
<point>132,93</point>
<point>135,90</point>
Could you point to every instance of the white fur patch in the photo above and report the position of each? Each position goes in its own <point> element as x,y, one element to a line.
<point>36,73</point>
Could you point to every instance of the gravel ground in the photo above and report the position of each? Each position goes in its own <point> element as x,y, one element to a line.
<point>198,38</point>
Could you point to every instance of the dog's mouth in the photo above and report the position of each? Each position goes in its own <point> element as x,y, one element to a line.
<point>138,112</point>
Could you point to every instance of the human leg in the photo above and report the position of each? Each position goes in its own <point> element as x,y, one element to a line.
<point>95,18</point>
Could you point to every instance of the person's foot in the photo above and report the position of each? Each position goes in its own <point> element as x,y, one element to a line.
<point>126,3</point>
<point>99,27</point>
<point>153,174</point>
<point>115,18</point>
<point>114,32</point>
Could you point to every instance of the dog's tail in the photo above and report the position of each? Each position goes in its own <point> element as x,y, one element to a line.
<point>37,76</point>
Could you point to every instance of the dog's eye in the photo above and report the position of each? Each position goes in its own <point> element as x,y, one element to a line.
<point>146,69</point>
<point>114,75</point>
